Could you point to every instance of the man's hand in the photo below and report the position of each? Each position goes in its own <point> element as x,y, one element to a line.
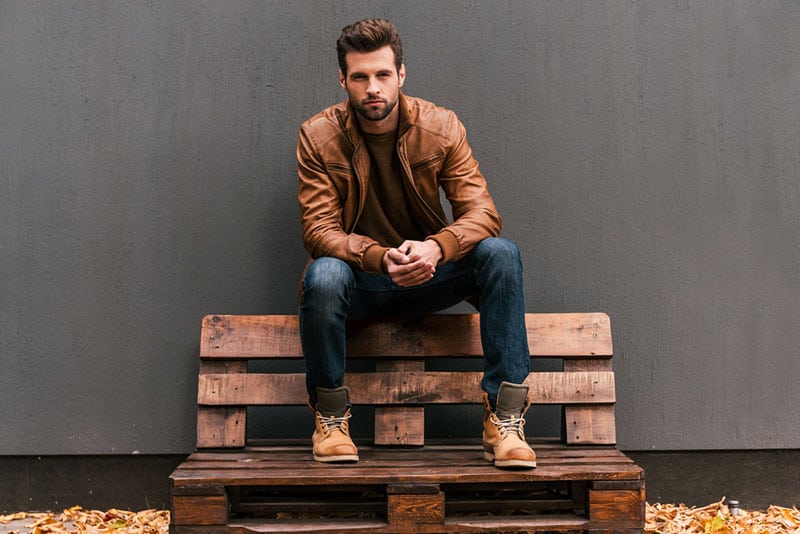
<point>413,262</point>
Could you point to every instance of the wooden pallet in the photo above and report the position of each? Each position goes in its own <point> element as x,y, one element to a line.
<point>582,483</point>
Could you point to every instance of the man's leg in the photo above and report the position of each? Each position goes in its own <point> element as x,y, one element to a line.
<point>497,266</point>
<point>324,307</point>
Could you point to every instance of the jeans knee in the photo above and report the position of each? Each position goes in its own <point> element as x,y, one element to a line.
<point>500,250</point>
<point>328,276</point>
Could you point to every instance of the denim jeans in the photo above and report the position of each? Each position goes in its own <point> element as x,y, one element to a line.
<point>334,293</point>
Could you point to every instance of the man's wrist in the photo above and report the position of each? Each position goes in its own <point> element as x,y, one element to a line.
<point>437,247</point>
<point>447,244</point>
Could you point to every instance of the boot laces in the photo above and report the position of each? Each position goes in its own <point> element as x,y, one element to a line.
<point>332,422</point>
<point>510,424</point>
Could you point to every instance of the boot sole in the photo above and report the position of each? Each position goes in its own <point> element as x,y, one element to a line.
<point>339,458</point>
<point>508,463</point>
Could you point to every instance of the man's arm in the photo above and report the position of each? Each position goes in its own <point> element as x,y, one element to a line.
<point>475,215</point>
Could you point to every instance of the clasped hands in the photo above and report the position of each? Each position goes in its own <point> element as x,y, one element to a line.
<point>413,262</point>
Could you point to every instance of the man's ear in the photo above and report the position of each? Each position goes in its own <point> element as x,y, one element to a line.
<point>342,80</point>
<point>401,75</point>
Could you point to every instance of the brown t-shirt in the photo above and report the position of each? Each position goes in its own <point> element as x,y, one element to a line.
<point>386,216</point>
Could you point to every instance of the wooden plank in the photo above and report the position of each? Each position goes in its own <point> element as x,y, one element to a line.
<point>399,425</point>
<point>452,466</point>
<point>442,335</point>
<point>466,524</point>
<point>406,507</point>
<point>221,427</point>
<point>468,472</point>
<point>589,424</point>
<point>444,455</point>
<point>299,457</point>
<point>387,458</point>
<point>518,523</point>
<point>455,461</point>
<point>580,364</point>
<point>402,388</point>
<point>616,509</point>
<point>199,510</point>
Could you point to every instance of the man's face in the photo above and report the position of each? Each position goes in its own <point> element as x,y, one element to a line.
<point>373,83</point>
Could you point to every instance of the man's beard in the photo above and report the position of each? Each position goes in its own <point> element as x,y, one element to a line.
<point>374,114</point>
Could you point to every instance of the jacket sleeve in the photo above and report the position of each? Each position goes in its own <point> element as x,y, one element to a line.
<point>321,213</point>
<point>475,215</point>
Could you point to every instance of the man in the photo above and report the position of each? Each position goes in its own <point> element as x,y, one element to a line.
<point>370,170</point>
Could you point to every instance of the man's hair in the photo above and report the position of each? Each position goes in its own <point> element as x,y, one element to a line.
<point>368,35</point>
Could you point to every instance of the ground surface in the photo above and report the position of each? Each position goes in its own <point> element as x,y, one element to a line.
<point>79,521</point>
<point>661,518</point>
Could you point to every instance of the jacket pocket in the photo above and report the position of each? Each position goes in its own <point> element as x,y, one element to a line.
<point>338,167</point>
<point>431,161</point>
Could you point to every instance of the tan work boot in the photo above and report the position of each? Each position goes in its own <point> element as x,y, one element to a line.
<point>331,439</point>
<point>503,433</point>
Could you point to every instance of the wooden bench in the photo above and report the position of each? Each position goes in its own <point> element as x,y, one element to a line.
<point>402,482</point>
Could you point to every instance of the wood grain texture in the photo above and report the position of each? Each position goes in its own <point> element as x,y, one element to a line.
<point>276,336</point>
<point>589,424</point>
<point>199,510</point>
<point>616,509</point>
<point>406,509</point>
<point>418,481</point>
<point>399,425</point>
<point>402,388</point>
<point>278,466</point>
<point>221,426</point>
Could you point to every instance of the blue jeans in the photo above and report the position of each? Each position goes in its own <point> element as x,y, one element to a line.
<point>334,293</point>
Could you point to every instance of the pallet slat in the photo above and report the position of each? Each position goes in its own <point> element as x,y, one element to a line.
<point>562,335</point>
<point>402,388</point>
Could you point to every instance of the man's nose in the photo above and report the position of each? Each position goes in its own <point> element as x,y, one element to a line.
<point>373,87</point>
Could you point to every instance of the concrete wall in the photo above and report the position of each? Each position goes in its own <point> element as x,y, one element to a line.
<point>645,157</point>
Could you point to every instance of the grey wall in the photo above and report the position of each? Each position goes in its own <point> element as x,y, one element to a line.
<point>645,156</point>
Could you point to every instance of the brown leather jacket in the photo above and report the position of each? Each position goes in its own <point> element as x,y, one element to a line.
<point>334,164</point>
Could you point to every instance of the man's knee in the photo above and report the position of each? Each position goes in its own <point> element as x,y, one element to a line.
<point>326,275</point>
<point>499,250</point>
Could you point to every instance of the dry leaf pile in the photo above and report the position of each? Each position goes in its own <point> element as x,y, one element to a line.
<point>76,520</point>
<point>717,518</point>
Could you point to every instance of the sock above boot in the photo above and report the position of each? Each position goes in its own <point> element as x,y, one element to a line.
<point>332,402</point>
<point>511,400</point>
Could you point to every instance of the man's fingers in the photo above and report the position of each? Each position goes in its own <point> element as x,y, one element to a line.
<point>415,281</point>
<point>411,274</point>
<point>397,256</point>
